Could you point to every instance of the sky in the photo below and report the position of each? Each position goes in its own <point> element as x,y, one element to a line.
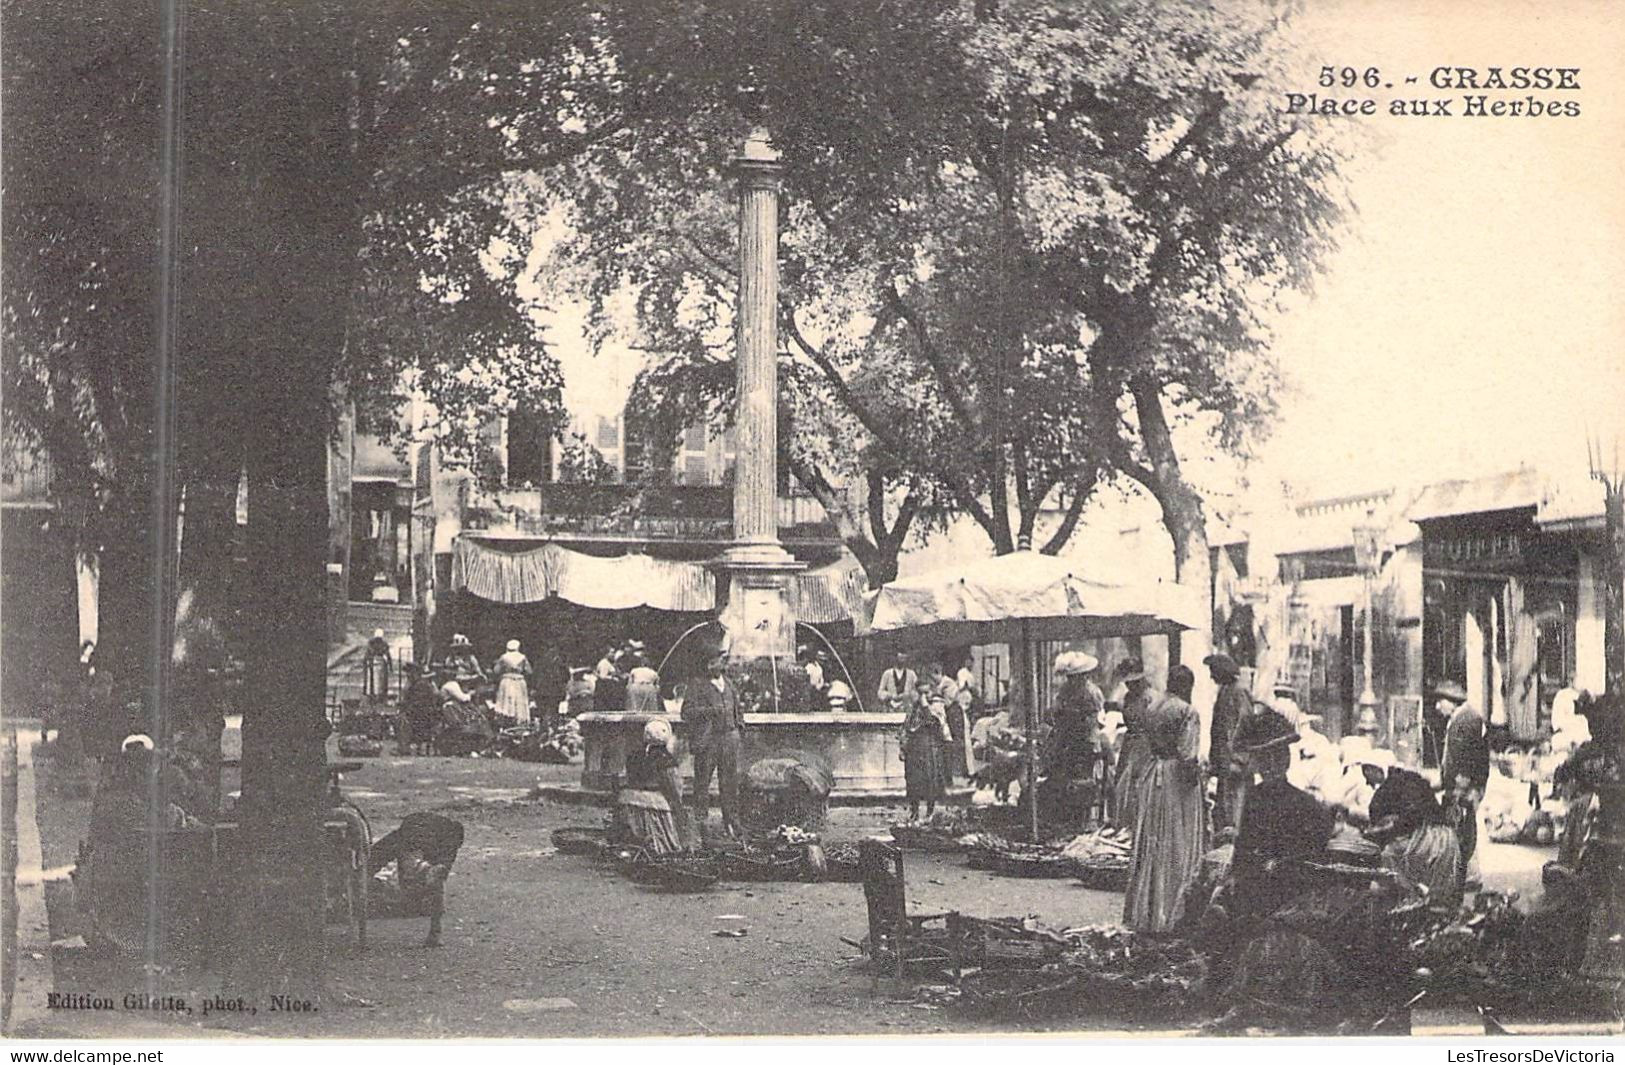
<point>1473,320</point>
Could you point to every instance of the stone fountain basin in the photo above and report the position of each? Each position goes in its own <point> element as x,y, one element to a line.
<point>861,749</point>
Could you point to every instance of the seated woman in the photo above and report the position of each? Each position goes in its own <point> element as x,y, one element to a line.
<point>1260,957</point>
<point>1417,840</point>
<point>463,727</point>
<point>1280,825</point>
<point>649,809</point>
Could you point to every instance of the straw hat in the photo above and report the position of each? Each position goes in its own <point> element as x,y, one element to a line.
<point>459,640</point>
<point>1070,663</point>
<point>513,645</point>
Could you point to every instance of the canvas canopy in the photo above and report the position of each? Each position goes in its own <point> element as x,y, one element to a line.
<point>529,572</point>
<point>1026,596</point>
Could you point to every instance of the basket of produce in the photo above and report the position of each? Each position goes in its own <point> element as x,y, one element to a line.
<point>359,747</point>
<point>673,873</point>
<point>587,841</point>
<point>980,849</point>
<point>1102,874</point>
<point>762,866</point>
<point>921,838</point>
<point>1018,992</point>
<point>841,864</point>
<point>1030,860</point>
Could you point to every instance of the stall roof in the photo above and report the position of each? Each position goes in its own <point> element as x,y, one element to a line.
<point>1512,490</point>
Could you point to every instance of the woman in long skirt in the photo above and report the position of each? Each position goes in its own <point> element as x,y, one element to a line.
<point>1168,821</point>
<point>1135,754</point>
<point>925,734</point>
<point>513,684</point>
<point>649,808</point>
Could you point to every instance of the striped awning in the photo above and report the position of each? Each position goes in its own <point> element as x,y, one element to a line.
<point>830,593</point>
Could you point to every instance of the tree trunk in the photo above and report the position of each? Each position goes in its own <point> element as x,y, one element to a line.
<point>293,191</point>
<point>1613,565</point>
<point>1182,516</point>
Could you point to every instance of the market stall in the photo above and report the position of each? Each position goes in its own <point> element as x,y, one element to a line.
<point>1020,599</point>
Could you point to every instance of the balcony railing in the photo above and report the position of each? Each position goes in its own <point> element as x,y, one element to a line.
<point>661,512</point>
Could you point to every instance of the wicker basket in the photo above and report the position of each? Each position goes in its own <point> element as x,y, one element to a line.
<point>678,873</point>
<point>762,866</point>
<point>586,841</point>
<point>1102,875</point>
<point>924,839</point>
<point>1017,992</point>
<point>841,864</point>
<point>1049,866</point>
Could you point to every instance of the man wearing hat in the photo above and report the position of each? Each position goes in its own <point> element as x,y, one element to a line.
<point>1230,708</point>
<point>899,686</point>
<point>1464,771</point>
<point>715,720</point>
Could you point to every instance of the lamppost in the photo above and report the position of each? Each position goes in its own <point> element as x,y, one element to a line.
<point>1368,556</point>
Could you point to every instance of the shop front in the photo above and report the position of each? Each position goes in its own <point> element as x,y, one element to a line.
<point>1500,602</point>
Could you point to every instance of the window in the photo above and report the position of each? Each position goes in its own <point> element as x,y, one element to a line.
<point>530,449</point>
<point>694,438</point>
<point>609,433</point>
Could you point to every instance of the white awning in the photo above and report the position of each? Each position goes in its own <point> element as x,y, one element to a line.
<point>530,576</point>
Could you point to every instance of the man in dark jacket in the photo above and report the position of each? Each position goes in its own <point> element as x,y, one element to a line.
<point>715,721</point>
<point>1464,771</point>
<point>1230,708</point>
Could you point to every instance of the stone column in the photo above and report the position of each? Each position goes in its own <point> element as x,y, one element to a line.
<point>758,614</point>
<point>755,502</point>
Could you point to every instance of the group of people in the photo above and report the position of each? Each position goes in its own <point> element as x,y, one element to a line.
<point>455,705</point>
<point>1282,793</point>
<point>649,808</point>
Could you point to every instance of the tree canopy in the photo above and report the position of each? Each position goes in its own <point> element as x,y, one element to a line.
<point>1023,242</point>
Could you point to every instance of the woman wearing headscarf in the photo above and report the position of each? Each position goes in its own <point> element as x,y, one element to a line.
<point>513,683</point>
<point>925,733</point>
<point>375,668</point>
<point>1416,838</point>
<point>642,686</point>
<point>649,806</point>
<point>1168,822</point>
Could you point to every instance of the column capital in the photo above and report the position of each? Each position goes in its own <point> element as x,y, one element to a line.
<point>757,164</point>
